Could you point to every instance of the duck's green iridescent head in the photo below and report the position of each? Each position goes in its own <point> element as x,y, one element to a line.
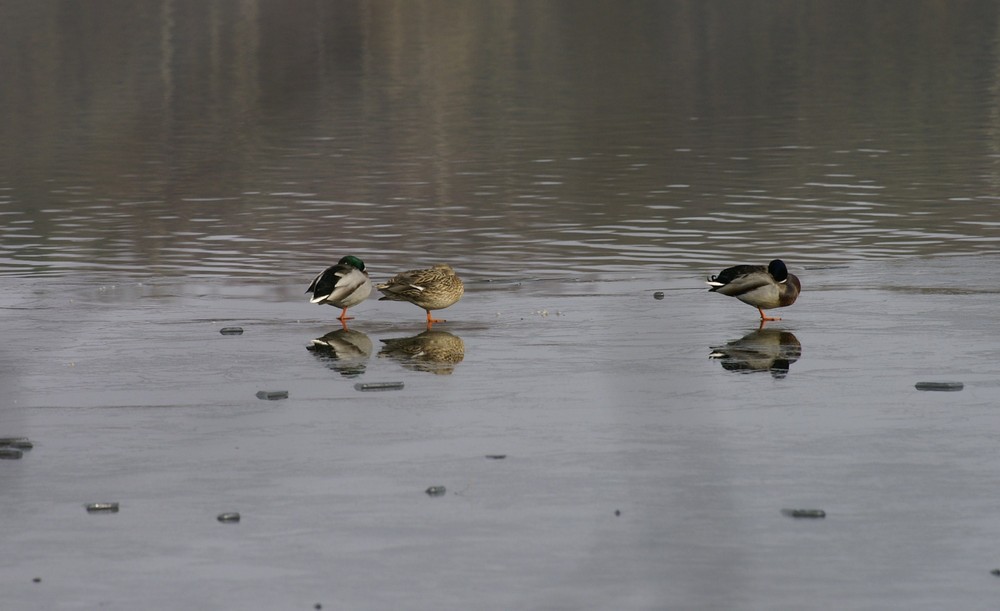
<point>353,262</point>
<point>778,270</point>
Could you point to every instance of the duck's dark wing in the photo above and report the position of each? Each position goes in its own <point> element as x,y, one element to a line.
<point>740,279</point>
<point>738,271</point>
<point>325,283</point>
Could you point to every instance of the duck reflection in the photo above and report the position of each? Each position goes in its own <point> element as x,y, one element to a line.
<point>432,351</point>
<point>344,351</point>
<point>771,350</point>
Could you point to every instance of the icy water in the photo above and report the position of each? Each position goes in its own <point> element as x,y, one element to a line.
<point>608,434</point>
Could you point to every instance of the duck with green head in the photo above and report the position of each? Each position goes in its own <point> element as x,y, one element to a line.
<point>431,289</point>
<point>762,287</point>
<point>343,285</point>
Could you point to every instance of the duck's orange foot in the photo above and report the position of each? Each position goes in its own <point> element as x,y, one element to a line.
<point>764,317</point>
<point>431,321</point>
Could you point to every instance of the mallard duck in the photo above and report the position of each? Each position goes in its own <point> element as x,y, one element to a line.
<point>431,289</point>
<point>343,285</point>
<point>762,287</point>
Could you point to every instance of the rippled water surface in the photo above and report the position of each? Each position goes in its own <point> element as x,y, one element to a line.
<point>258,139</point>
<point>173,168</point>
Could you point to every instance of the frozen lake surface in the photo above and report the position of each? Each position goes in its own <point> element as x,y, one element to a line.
<point>637,471</point>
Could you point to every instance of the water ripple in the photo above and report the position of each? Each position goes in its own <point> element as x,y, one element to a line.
<point>253,235</point>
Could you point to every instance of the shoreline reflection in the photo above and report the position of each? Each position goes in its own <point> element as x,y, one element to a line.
<point>772,350</point>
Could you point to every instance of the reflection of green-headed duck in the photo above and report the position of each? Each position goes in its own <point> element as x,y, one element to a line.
<point>343,285</point>
<point>762,350</point>
<point>343,350</point>
<point>431,289</point>
<point>762,287</point>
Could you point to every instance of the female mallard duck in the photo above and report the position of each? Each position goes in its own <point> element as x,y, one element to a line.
<point>343,285</point>
<point>762,287</point>
<point>431,289</point>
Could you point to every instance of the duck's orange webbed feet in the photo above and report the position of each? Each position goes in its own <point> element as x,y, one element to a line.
<point>764,317</point>
<point>431,320</point>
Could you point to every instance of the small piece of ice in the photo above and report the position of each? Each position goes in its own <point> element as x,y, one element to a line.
<point>378,386</point>
<point>21,443</point>
<point>272,395</point>
<point>940,386</point>
<point>231,330</point>
<point>804,513</point>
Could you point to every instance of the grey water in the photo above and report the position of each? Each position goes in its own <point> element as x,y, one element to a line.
<point>168,169</point>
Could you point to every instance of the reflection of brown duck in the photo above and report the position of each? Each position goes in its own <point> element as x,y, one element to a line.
<point>771,350</point>
<point>343,350</point>
<point>433,351</point>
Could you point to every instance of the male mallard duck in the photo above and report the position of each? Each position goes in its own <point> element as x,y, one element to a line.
<point>431,289</point>
<point>762,287</point>
<point>343,285</point>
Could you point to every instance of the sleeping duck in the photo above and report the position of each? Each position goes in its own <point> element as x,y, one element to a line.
<point>762,287</point>
<point>343,285</point>
<point>431,289</point>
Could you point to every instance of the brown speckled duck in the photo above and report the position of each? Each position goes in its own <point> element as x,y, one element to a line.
<point>431,289</point>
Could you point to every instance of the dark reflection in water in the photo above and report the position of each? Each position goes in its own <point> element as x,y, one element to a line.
<point>772,350</point>
<point>345,351</point>
<point>432,351</point>
<point>228,138</point>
